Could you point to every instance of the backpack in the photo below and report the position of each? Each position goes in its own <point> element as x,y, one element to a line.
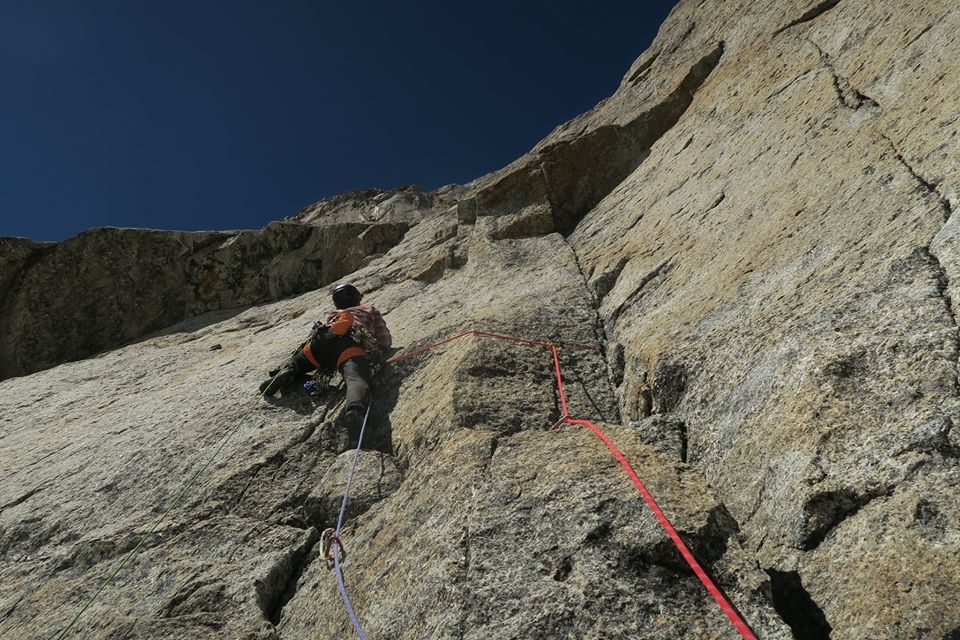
<point>362,337</point>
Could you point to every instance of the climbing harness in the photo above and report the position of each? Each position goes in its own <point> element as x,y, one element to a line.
<point>728,609</point>
<point>318,382</point>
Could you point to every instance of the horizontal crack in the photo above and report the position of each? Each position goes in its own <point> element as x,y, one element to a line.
<point>811,14</point>
<point>826,511</point>
<point>643,70</point>
<point>22,498</point>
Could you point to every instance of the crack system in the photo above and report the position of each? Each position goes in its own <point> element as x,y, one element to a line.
<point>826,511</point>
<point>280,584</point>
<point>662,269</point>
<point>570,177</point>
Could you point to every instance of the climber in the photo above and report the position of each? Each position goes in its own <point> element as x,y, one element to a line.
<point>350,340</point>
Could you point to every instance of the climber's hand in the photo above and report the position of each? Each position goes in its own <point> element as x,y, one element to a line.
<point>277,381</point>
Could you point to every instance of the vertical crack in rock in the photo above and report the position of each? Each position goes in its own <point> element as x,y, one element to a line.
<point>811,14</point>
<point>943,290</point>
<point>598,329</point>
<point>945,207</point>
<point>685,443</point>
<point>848,95</point>
<point>383,470</point>
<point>280,585</point>
<point>794,604</point>
<point>243,492</point>
<point>943,281</point>
<point>613,361</point>
<point>464,583</point>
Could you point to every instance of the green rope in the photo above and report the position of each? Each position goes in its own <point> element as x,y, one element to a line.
<point>173,504</point>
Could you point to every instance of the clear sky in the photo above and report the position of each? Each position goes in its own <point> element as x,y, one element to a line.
<point>197,114</point>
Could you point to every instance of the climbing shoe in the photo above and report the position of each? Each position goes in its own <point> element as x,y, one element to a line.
<point>352,420</point>
<point>278,381</point>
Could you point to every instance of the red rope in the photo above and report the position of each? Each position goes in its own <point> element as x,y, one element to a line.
<point>410,354</point>
<point>738,622</point>
<point>718,596</point>
<point>721,600</point>
<point>563,396</point>
<point>487,334</point>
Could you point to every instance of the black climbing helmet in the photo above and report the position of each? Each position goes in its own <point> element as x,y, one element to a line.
<point>346,295</point>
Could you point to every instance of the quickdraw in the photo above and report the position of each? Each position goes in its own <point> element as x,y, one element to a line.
<point>327,540</point>
<point>318,383</point>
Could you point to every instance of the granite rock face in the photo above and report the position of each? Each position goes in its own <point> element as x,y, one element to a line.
<point>756,233</point>
<point>106,287</point>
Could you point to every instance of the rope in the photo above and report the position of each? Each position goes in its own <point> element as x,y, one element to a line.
<point>156,525</point>
<point>335,538</point>
<point>488,334</point>
<point>738,622</point>
<point>126,559</point>
<point>728,609</point>
<point>714,591</point>
<point>563,395</point>
<point>342,588</point>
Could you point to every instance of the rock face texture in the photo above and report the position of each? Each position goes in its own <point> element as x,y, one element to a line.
<point>106,287</point>
<point>756,232</point>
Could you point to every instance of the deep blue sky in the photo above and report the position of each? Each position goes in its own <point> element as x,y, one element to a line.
<point>223,115</point>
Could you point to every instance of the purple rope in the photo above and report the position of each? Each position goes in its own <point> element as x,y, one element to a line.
<point>342,588</point>
<point>353,467</point>
<point>338,573</point>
